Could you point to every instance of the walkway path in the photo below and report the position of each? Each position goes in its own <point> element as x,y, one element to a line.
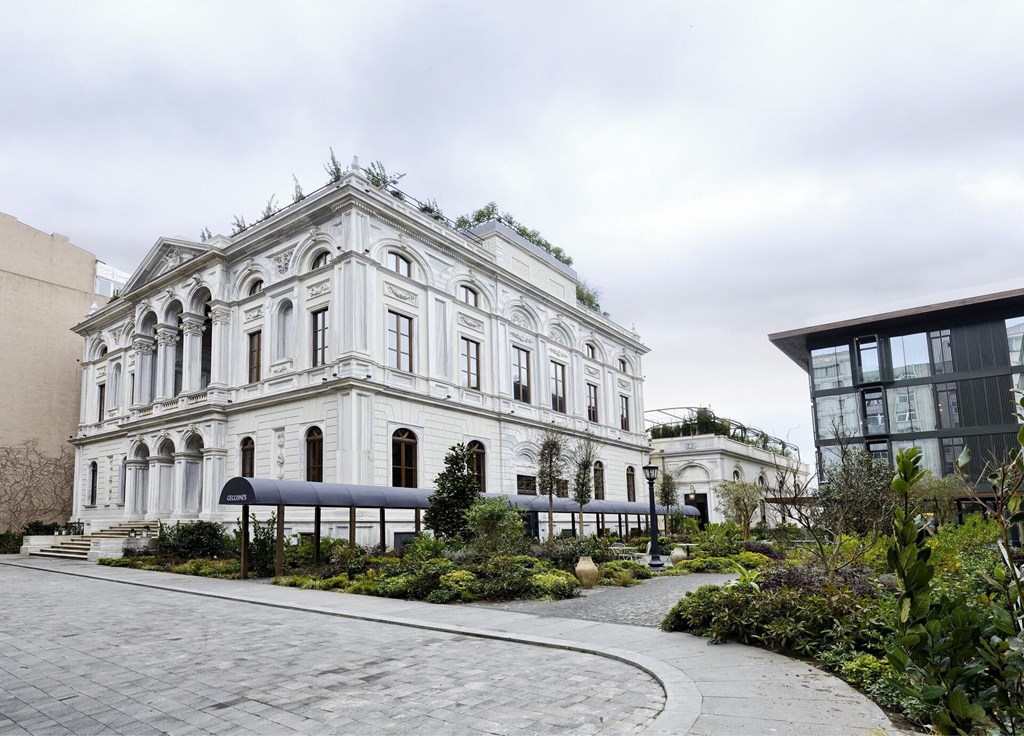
<point>489,683</point>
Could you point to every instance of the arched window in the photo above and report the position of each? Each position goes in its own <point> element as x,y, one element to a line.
<point>403,459</point>
<point>736,476</point>
<point>257,287</point>
<point>469,295</point>
<point>321,260</point>
<point>476,463</point>
<point>314,455</point>
<point>630,484</point>
<point>599,481</point>
<point>623,365</point>
<point>93,473</point>
<point>248,458</point>
<point>399,263</point>
<point>590,350</point>
<point>285,331</point>
<point>761,481</point>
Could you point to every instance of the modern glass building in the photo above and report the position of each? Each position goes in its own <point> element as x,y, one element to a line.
<point>939,377</point>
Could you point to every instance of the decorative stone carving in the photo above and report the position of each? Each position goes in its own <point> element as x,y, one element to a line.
<point>473,324</point>
<point>518,318</point>
<point>221,316</point>
<point>254,313</point>
<point>166,338</point>
<point>591,370</point>
<point>143,346</point>
<point>193,328</point>
<point>556,336</point>
<point>279,438</point>
<point>317,289</point>
<point>559,353</point>
<point>282,367</point>
<point>173,258</point>
<point>403,294</point>
<point>282,260</point>
<point>623,383</point>
<point>520,337</point>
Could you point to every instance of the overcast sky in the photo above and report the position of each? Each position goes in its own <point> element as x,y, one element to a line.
<point>718,170</point>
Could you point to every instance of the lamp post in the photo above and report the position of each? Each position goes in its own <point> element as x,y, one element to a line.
<point>651,474</point>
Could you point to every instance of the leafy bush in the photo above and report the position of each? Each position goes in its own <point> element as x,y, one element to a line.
<point>10,543</point>
<point>507,578</point>
<point>424,547</point>
<point>619,578</point>
<point>638,570</point>
<point>719,540</point>
<point>228,569</point>
<point>426,576</point>
<point>40,528</point>
<point>495,528</point>
<point>459,584</point>
<point>262,545</point>
<point>565,552</point>
<point>812,578</point>
<point>366,583</point>
<point>786,620</point>
<point>117,561</point>
<point>752,560</point>
<point>556,584</point>
<point>398,586</point>
<point>703,564</point>
<point>764,548</point>
<point>192,540</point>
<point>876,677</point>
<point>302,555</point>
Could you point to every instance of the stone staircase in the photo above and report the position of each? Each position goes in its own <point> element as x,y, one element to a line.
<point>77,547</point>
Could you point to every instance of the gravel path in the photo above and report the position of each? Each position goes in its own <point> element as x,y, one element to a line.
<point>641,605</point>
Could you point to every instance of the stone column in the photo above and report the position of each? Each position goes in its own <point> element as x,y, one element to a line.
<point>144,348</point>
<point>215,462</point>
<point>192,330</point>
<point>131,485</point>
<point>179,484</point>
<point>220,347</point>
<point>166,339</point>
<point>161,487</point>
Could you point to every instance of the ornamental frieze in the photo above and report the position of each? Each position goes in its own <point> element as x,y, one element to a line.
<point>591,370</point>
<point>397,293</point>
<point>318,289</point>
<point>254,313</point>
<point>473,324</point>
<point>282,260</point>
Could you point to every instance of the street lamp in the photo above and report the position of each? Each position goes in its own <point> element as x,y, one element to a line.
<point>651,474</point>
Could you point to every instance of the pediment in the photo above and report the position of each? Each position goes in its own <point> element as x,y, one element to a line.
<point>167,255</point>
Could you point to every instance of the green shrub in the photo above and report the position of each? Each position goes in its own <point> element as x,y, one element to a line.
<point>495,528</point>
<point>301,556</point>
<point>719,540</point>
<point>397,586</point>
<point>425,577</point>
<point>366,583</point>
<point>289,581</point>
<point>507,578</point>
<point>117,561</point>
<point>565,552</point>
<point>703,564</point>
<point>618,578</point>
<point>786,620</point>
<point>442,595</point>
<point>556,584</point>
<point>876,677</point>
<point>638,570</point>
<point>192,540</point>
<point>752,560</point>
<point>767,549</point>
<point>459,583</point>
<point>10,543</point>
<point>262,545</point>
<point>40,528</point>
<point>424,547</point>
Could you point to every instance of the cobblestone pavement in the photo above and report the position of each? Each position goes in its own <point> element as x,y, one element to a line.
<point>88,656</point>
<point>641,605</point>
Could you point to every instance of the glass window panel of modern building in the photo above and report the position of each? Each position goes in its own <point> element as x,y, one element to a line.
<point>911,409</point>
<point>874,411</point>
<point>1015,340</point>
<point>909,356</point>
<point>831,368</point>
<point>837,415</point>
<point>931,459</point>
<point>867,359</point>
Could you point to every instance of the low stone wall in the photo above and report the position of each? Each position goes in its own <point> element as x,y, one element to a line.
<point>37,542</point>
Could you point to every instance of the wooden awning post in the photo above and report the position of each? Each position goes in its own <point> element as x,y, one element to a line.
<point>418,528</point>
<point>279,553</point>
<point>383,538</point>
<point>352,527</point>
<point>316,536</point>
<point>572,518</point>
<point>245,543</point>
<point>620,526</point>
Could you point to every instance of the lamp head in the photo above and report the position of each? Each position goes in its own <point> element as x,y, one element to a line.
<point>651,473</point>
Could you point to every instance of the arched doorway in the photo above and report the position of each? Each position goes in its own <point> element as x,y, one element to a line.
<point>192,475</point>
<point>138,467</point>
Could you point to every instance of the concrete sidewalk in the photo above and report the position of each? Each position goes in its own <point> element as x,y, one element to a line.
<point>722,689</point>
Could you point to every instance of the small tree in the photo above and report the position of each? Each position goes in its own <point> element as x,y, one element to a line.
<point>738,501</point>
<point>377,175</point>
<point>297,194</point>
<point>270,209</point>
<point>551,471</point>
<point>496,528</point>
<point>238,225</point>
<point>333,169</point>
<point>455,490</point>
<point>938,496</point>
<point>667,492</point>
<point>583,456</point>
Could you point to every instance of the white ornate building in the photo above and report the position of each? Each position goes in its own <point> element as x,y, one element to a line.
<point>350,337</point>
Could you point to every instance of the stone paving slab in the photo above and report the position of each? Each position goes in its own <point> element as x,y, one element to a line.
<point>800,699</point>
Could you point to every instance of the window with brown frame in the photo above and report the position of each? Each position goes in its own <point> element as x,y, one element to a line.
<point>469,295</point>
<point>93,482</point>
<point>399,264</point>
<point>599,481</point>
<point>591,350</point>
<point>477,458</point>
<point>319,337</point>
<point>400,342</point>
<point>526,485</point>
<point>315,455</point>
<point>255,356</point>
<point>101,401</point>
<point>469,360</point>
<point>256,287</point>
<point>520,374</point>
<point>403,459</point>
<point>624,413</point>
<point>248,447</point>
<point>557,387</point>
<point>630,484</point>
<point>591,402</point>
<point>321,260</point>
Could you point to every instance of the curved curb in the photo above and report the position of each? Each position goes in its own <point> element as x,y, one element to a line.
<point>682,697</point>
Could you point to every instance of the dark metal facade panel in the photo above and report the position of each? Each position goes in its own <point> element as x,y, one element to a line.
<point>979,346</point>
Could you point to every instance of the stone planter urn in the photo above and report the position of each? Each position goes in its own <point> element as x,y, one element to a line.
<point>678,555</point>
<point>587,572</point>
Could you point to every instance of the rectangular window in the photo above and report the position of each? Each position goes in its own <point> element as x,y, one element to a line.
<point>624,413</point>
<point>526,485</point>
<point>911,409</point>
<point>867,357</point>
<point>400,342</point>
<point>951,449</point>
<point>101,401</point>
<point>591,402</point>
<point>837,416</point>
<point>562,489</point>
<point>942,352</point>
<point>831,368</point>
<point>318,321</point>
<point>557,387</point>
<point>909,356</point>
<point>469,358</point>
<point>520,374</point>
<point>255,355</point>
<point>878,450</point>
<point>874,411</point>
<point>947,402</point>
<point>1015,340</point>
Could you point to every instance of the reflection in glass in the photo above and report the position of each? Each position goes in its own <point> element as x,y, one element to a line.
<point>874,411</point>
<point>878,450</point>
<point>867,354</point>
<point>931,460</point>
<point>942,351</point>
<point>951,449</point>
<point>831,368</point>
<point>1015,340</point>
<point>837,416</point>
<point>911,408</point>
<point>909,356</point>
<point>946,400</point>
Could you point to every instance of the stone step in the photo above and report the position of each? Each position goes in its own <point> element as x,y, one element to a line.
<point>66,555</point>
